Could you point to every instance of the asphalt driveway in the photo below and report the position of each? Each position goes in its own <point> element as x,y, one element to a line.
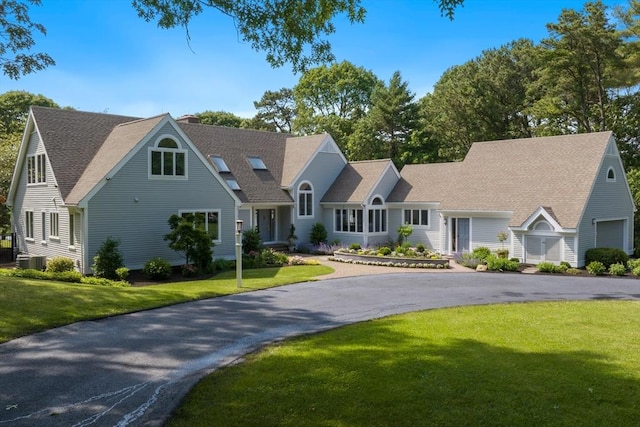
<point>133,369</point>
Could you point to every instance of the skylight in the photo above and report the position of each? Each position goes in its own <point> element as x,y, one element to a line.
<point>256,163</point>
<point>219,163</point>
<point>233,184</point>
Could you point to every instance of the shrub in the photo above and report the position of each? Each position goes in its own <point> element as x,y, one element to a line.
<point>59,264</point>
<point>355,246</point>
<point>384,250</point>
<point>596,268</point>
<point>636,271</point>
<point>606,256</point>
<point>617,269</point>
<point>251,241</point>
<point>633,264</point>
<point>122,273</point>
<point>573,271</point>
<point>481,253</point>
<point>108,259</point>
<point>420,248</point>
<point>502,253</point>
<point>157,269</point>
<point>221,264</point>
<point>501,264</point>
<point>318,234</point>
<point>547,267</point>
<point>566,264</point>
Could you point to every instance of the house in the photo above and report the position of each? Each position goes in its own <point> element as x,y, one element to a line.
<point>83,177</point>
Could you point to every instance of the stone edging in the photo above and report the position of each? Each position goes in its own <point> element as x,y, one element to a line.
<point>386,261</point>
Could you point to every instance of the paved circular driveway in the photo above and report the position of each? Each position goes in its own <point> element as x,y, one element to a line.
<point>133,369</point>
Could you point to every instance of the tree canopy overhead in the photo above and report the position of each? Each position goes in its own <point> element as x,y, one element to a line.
<point>16,39</point>
<point>288,31</point>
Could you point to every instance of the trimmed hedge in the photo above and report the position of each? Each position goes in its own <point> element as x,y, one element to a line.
<point>606,256</point>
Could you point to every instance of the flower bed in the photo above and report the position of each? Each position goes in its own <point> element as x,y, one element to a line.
<point>389,261</point>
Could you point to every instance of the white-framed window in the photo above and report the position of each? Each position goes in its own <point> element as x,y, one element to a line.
<point>43,221</point>
<point>416,216</point>
<point>208,220</point>
<point>28,225</point>
<point>167,159</point>
<point>348,220</point>
<point>72,230</point>
<point>611,175</point>
<point>36,169</point>
<point>54,225</point>
<point>305,200</point>
<point>377,217</point>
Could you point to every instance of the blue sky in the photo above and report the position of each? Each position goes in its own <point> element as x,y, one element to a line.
<point>109,60</point>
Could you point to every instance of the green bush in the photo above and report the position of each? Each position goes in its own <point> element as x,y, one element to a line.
<point>318,234</point>
<point>404,231</point>
<point>481,253</point>
<point>59,264</point>
<point>221,264</point>
<point>251,241</point>
<point>636,271</point>
<point>62,276</point>
<point>606,256</point>
<point>384,250</point>
<point>108,259</point>
<point>420,248</point>
<point>122,273</point>
<point>566,264</point>
<point>502,253</point>
<point>501,264</point>
<point>617,269</point>
<point>355,246</point>
<point>574,271</point>
<point>596,268</point>
<point>547,267</point>
<point>633,263</point>
<point>468,260</point>
<point>157,269</point>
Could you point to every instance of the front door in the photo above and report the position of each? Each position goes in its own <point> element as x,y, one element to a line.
<point>543,248</point>
<point>460,234</point>
<point>266,220</point>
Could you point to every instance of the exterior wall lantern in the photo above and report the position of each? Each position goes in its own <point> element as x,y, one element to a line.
<point>239,253</point>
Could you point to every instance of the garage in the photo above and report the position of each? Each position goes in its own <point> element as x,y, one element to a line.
<point>610,234</point>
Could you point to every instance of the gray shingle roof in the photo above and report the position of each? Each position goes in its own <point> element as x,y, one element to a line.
<point>72,139</point>
<point>518,175</point>
<point>298,151</point>
<point>122,139</point>
<point>234,145</point>
<point>356,181</point>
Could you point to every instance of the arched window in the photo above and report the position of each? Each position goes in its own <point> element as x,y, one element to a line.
<point>542,226</point>
<point>377,217</point>
<point>611,175</point>
<point>167,159</point>
<point>305,200</point>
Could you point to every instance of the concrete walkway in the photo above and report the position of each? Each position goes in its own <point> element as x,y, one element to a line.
<point>134,369</point>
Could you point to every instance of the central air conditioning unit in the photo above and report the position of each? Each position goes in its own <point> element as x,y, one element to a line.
<point>39,262</point>
<point>23,261</point>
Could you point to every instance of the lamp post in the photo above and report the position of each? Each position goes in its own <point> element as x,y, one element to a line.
<point>239,253</point>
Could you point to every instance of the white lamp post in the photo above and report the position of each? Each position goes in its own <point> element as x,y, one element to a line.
<point>239,253</point>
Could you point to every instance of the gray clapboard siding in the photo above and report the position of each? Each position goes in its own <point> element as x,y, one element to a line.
<point>134,208</point>
<point>485,233</point>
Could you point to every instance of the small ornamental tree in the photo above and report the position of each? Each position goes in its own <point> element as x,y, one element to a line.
<point>108,259</point>
<point>189,236</point>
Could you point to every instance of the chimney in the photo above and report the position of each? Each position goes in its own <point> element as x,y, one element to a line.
<point>188,118</point>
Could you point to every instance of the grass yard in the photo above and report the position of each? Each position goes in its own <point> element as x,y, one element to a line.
<point>30,306</point>
<point>551,364</point>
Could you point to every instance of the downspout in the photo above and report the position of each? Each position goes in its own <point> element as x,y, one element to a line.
<point>365,226</point>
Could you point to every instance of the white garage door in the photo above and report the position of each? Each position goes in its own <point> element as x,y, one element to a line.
<point>610,234</point>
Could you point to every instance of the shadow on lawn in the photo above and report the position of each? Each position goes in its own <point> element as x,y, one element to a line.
<point>384,377</point>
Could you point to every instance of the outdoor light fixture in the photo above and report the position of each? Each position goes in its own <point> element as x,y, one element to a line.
<point>239,253</point>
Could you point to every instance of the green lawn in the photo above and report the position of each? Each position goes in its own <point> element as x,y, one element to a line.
<point>538,364</point>
<point>29,306</point>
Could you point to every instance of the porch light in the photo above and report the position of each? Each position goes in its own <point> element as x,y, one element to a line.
<point>239,253</point>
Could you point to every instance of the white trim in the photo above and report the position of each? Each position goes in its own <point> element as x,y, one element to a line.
<point>313,200</point>
<point>175,151</point>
